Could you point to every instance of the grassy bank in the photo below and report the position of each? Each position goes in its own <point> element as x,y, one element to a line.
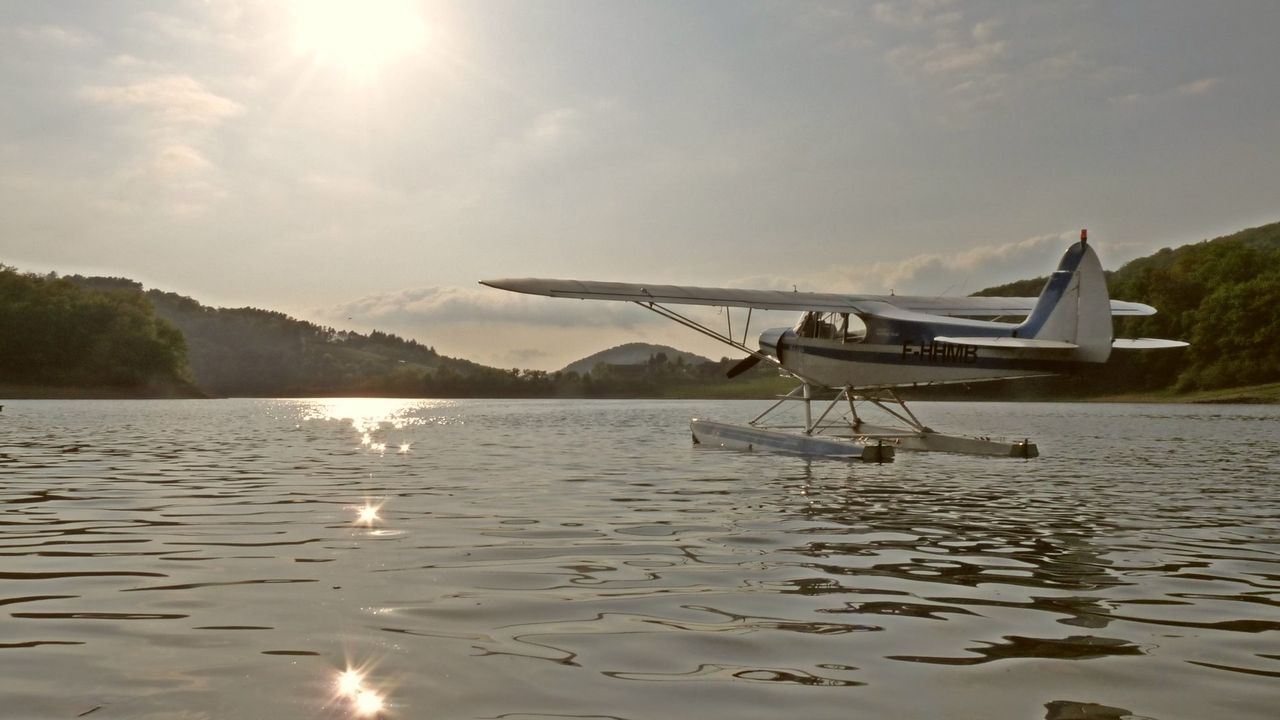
<point>10,391</point>
<point>1251,394</point>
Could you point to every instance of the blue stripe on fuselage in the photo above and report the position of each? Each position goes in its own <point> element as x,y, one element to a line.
<point>898,358</point>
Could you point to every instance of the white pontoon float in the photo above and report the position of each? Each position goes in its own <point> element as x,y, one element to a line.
<point>839,431</point>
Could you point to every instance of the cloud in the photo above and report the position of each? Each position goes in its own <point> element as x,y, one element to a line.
<point>979,58</point>
<point>938,48</point>
<point>428,305</point>
<point>50,35</point>
<point>168,177</point>
<point>957,273</point>
<point>163,168</point>
<point>1203,86</point>
<point>953,273</point>
<point>550,136</point>
<point>217,25</point>
<point>553,126</point>
<point>127,62</point>
<point>951,50</point>
<point>946,58</point>
<point>174,99</point>
<point>1191,89</point>
<point>547,135</point>
<point>177,160</point>
<point>914,14</point>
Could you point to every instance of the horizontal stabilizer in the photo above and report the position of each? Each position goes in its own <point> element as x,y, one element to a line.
<point>1146,344</point>
<point>1010,343</point>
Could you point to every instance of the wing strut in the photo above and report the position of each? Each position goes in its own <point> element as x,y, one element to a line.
<point>715,335</point>
<point>728,316</point>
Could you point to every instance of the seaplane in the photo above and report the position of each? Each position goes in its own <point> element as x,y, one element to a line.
<point>851,353</point>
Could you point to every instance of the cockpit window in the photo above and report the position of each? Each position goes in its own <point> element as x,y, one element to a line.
<point>841,327</point>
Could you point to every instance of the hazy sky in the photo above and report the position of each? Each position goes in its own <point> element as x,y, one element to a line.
<point>365,164</point>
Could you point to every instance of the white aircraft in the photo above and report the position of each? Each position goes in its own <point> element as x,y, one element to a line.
<point>864,346</point>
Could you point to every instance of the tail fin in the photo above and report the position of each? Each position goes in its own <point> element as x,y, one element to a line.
<point>1074,306</point>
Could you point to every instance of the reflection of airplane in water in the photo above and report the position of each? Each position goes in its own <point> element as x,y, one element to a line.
<point>863,346</point>
<point>874,548</point>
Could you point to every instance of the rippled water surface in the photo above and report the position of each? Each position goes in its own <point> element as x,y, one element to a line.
<point>490,559</point>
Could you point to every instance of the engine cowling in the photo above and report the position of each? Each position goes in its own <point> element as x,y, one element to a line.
<point>773,340</point>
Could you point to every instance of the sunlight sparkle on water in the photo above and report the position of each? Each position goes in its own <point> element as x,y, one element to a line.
<point>368,514</point>
<point>349,682</point>
<point>368,702</point>
<point>371,417</point>
<point>364,700</point>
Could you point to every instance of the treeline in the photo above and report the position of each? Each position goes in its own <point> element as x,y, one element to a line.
<point>262,353</point>
<point>1221,295</point>
<point>56,333</point>
<point>654,379</point>
<point>247,352</point>
<point>252,352</point>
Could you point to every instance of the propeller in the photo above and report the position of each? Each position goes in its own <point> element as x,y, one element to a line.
<point>743,365</point>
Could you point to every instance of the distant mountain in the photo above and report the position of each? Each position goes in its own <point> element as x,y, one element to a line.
<point>633,354</point>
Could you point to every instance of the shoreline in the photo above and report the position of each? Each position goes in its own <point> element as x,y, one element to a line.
<point>98,392</point>
<point>1266,395</point>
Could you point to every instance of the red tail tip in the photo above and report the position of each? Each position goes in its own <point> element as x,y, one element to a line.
<point>1084,235</point>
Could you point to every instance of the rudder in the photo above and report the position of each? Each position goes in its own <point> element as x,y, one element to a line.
<point>1074,306</point>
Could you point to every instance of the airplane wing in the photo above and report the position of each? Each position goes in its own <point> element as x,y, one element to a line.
<point>682,295</point>
<point>783,300</point>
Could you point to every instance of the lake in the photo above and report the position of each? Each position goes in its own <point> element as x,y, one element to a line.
<point>536,559</point>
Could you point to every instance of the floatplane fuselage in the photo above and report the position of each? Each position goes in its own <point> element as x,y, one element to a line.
<point>864,346</point>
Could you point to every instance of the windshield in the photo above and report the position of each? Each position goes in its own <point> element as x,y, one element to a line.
<point>841,327</point>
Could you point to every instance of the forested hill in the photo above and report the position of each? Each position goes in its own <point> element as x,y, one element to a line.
<point>259,353</point>
<point>1221,295</point>
<point>55,334</point>
<point>262,353</point>
<point>79,336</point>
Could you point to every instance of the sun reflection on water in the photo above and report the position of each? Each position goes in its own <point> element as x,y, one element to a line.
<point>366,414</point>
<point>372,417</point>
<point>352,687</point>
<point>349,682</point>
<point>367,514</point>
<point>368,702</point>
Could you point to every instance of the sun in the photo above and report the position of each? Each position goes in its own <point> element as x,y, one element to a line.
<point>358,36</point>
